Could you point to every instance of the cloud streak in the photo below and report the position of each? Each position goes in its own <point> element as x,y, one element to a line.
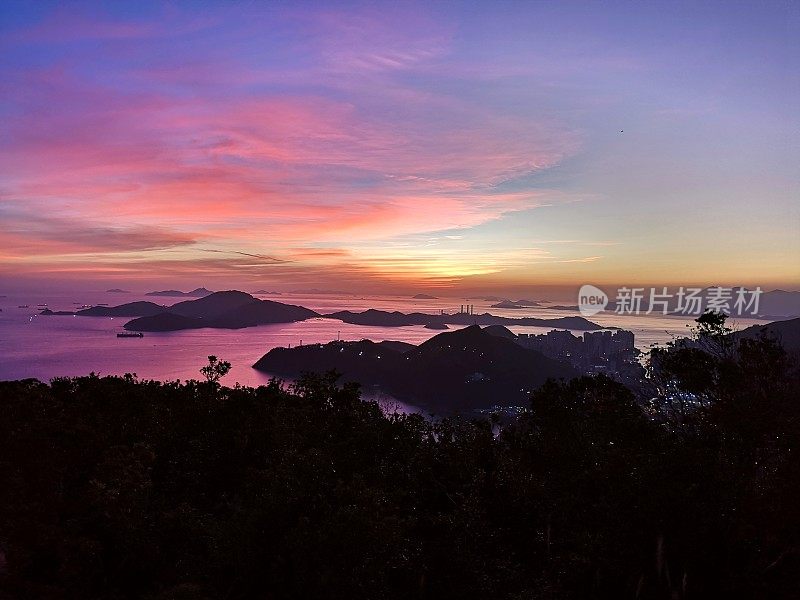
<point>23,235</point>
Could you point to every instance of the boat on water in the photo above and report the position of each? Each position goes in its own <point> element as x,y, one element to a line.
<point>23,306</point>
<point>41,304</point>
<point>130,334</point>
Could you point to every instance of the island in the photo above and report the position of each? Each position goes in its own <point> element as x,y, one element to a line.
<point>196,293</point>
<point>516,304</point>
<point>424,297</point>
<point>117,291</point>
<point>130,309</point>
<point>48,313</point>
<point>223,310</point>
<point>321,292</point>
<point>458,371</point>
<point>233,309</point>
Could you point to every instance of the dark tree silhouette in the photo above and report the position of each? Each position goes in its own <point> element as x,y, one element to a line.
<point>117,488</point>
<point>215,369</point>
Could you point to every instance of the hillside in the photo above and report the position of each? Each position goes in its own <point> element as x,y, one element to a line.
<point>786,332</point>
<point>117,488</point>
<point>454,371</point>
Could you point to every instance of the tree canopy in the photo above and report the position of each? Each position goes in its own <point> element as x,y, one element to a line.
<point>118,488</point>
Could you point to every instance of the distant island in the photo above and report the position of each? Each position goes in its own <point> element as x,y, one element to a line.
<point>516,304</point>
<point>317,291</point>
<point>196,293</point>
<point>235,310</point>
<point>266,293</point>
<point>424,297</point>
<point>779,303</point>
<point>117,291</point>
<point>47,312</point>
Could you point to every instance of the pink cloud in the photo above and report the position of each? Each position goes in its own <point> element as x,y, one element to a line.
<point>275,157</point>
<point>263,171</point>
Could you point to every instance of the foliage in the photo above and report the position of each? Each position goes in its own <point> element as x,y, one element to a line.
<point>117,488</point>
<point>215,369</point>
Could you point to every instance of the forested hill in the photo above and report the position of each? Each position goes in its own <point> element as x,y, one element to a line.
<point>118,488</point>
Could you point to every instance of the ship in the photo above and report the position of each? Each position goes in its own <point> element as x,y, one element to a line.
<point>131,334</point>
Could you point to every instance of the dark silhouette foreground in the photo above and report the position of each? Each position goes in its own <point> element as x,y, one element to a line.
<point>115,488</point>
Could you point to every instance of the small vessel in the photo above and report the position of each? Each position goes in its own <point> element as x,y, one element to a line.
<point>42,304</point>
<point>131,334</point>
<point>23,306</point>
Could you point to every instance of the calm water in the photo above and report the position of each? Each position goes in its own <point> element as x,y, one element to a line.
<point>49,346</point>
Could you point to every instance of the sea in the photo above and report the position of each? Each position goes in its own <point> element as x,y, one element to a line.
<point>44,347</point>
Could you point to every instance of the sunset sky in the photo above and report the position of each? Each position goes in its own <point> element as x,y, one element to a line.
<point>399,147</point>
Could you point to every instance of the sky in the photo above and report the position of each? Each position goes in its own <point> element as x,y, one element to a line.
<point>399,147</point>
